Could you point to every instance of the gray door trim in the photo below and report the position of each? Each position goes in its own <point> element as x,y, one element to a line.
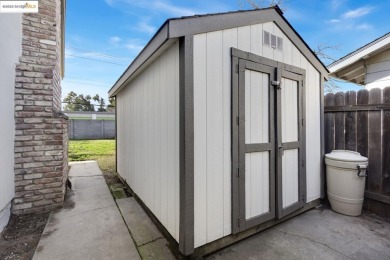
<point>301,145</point>
<point>186,175</point>
<point>239,147</point>
<point>235,165</point>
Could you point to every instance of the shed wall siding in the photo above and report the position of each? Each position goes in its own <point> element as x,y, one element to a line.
<point>378,71</point>
<point>212,121</point>
<point>148,137</point>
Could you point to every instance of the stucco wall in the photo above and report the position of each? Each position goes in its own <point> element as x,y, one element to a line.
<point>10,51</point>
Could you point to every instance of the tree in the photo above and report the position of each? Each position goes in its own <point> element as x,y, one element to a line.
<point>76,102</point>
<point>101,103</point>
<point>111,106</point>
<point>257,4</point>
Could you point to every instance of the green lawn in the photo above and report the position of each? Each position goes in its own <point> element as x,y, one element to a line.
<point>103,151</point>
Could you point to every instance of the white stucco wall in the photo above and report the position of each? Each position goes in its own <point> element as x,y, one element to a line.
<point>10,51</point>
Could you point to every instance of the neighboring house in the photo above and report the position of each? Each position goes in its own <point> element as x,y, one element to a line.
<point>368,66</point>
<point>89,115</point>
<point>220,126</point>
<point>33,132</point>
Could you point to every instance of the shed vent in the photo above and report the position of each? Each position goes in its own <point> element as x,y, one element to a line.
<point>267,39</point>
<point>272,40</point>
<point>280,43</point>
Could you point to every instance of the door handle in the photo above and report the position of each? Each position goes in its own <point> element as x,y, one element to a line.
<point>281,149</point>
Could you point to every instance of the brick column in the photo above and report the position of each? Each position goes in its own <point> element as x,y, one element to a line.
<point>41,140</point>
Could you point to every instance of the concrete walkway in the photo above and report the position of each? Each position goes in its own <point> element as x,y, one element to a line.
<point>89,226</point>
<point>92,226</point>
<point>150,242</point>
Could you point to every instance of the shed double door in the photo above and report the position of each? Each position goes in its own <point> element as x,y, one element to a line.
<point>268,155</point>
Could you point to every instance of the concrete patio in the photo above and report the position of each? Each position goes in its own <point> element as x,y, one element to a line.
<point>317,234</point>
<point>92,225</point>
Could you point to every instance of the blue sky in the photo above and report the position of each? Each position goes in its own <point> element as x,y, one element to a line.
<point>104,36</point>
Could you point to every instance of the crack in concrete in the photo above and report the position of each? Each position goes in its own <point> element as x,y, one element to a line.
<point>150,241</point>
<point>314,241</point>
<point>71,216</point>
<point>128,229</point>
<point>86,176</point>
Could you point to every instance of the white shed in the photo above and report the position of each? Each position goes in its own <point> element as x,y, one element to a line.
<point>369,65</point>
<point>219,127</point>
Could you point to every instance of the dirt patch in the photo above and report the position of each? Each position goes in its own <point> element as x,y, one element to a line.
<point>21,236</point>
<point>112,180</point>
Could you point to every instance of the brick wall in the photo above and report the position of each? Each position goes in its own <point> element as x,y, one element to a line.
<point>41,166</point>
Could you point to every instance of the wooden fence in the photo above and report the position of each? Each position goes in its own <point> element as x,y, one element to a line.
<point>361,122</point>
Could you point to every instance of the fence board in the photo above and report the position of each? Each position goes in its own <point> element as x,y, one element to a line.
<point>374,144</point>
<point>362,124</point>
<point>339,122</point>
<point>350,122</point>
<point>329,124</point>
<point>386,145</point>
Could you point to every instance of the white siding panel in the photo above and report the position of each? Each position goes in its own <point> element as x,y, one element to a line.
<point>290,177</point>
<point>289,99</point>
<point>256,131</point>
<point>313,132</point>
<point>244,38</point>
<point>229,40</point>
<point>256,184</point>
<point>214,136</point>
<point>200,144</point>
<point>378,70</point>
<point>257,39</point>
<point>148,137</point>
<point>256,107</point>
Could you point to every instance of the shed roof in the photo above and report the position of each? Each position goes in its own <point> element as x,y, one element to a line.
<point>190,25</point>
<point>351,67</point>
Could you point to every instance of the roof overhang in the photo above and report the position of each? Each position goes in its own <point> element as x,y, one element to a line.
<point>352,67</point>
<point>173,29</point>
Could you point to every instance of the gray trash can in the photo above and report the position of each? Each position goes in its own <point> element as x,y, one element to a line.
<point>346,178</point>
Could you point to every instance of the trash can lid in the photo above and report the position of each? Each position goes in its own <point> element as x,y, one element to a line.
<point>346,156</point>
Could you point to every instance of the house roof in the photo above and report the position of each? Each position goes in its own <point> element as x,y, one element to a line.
<point>351,67</point>
<point>190,25</point>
